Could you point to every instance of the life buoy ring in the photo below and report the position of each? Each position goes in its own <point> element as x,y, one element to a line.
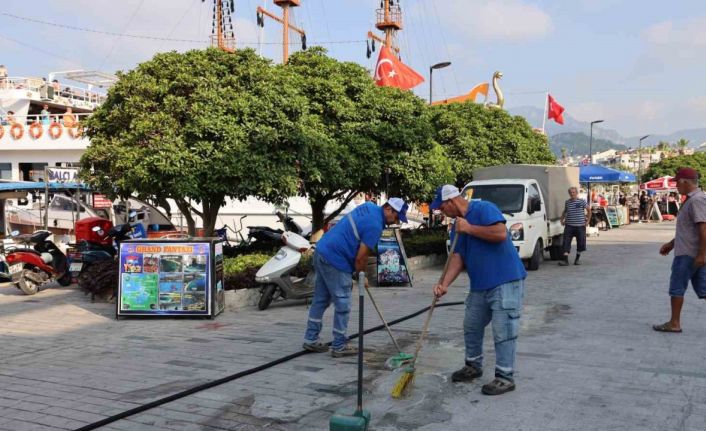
<point>55,130</point>
<point>36,130</point>
<point>17,131</point>
<point>76,131</point>
<point>2,131</point>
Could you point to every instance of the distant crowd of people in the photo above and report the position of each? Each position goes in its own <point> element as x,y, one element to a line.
<point>46,117</point>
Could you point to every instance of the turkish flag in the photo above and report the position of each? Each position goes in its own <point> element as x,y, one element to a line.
<point>391,72</point>
<point>556,111</point>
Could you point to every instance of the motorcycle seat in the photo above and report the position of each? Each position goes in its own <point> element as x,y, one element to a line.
<point>24,238</point>
<point>47,257</point>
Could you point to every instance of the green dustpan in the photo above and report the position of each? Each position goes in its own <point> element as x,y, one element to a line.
<point>398,360</point>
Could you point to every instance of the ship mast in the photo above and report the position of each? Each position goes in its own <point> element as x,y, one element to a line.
<point>284,20</point>
<point>222,34</point>
<point>389,21</point>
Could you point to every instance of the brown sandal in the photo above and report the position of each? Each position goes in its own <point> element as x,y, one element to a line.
<point>665,327</point>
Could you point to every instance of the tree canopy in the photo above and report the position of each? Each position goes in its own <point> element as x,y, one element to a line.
<point>197,126</point>
<point>670,166</point>
<point>475,136</point>
<point>354,131</point>
<point>204,125</point>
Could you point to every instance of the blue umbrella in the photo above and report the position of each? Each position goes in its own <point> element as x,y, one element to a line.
<point>601,174</point>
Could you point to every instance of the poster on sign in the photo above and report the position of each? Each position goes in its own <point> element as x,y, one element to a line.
<point>167,277</point>
<point>392,266</point>
<point>101,201</point>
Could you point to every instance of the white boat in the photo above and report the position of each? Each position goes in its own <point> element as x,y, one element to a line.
<point>31,141</point>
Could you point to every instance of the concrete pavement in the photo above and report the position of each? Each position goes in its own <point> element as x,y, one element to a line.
<point>587,358</point>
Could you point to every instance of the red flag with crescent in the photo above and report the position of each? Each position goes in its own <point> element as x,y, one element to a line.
<point>391,72</point>
<point>556,111</point>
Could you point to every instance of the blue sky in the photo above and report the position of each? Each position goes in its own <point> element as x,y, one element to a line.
<point>639,65</point>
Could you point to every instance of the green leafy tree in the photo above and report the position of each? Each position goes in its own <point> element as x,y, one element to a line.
<point>682,144</point>
<point>197,127</point>
<point>474,136</point>
<point>355,131</point>
<point>671,165</point>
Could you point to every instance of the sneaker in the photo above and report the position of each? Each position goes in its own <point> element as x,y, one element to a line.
<point>315,347</point>
<point>498,387</point>
<point>347,350</point>
<point>564,262</point>
<point>577,262</point>
<point>466,374</point>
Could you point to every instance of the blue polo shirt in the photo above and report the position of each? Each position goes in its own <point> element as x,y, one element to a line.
<point>339,246</point>
<point>488,264</point>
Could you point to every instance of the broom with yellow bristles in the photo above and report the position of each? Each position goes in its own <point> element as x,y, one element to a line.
<point>404,384</point>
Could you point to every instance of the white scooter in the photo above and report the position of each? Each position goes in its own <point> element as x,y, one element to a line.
<point>275,275</point>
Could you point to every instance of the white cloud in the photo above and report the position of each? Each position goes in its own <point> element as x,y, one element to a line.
<point>512,20</point>
<point>680,41</point>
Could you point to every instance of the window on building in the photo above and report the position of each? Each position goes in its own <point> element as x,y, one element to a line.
<point>5,171</point>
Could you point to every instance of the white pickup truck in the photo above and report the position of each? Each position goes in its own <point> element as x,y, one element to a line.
<point>531,197</point>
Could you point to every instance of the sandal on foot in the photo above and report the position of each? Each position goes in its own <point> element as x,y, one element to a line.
<point>498,387</point>
<point>665,327</point>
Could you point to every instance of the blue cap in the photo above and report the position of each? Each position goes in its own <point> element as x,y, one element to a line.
<point>400,206</point>
<point>444,193</point>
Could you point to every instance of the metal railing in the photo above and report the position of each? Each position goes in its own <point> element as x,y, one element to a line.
<point>54,92</point>
<point>35,126</point>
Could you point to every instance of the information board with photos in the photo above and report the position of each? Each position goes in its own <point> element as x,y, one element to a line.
<point>171,277</point>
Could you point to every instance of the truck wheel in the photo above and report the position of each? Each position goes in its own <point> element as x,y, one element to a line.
<point>533,263</point>
<point>268,292</point>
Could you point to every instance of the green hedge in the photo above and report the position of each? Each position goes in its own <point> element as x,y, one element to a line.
<point>239,272</point>
<point>418,242</point>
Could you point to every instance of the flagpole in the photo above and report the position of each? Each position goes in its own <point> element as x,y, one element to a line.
<point>544,117</point>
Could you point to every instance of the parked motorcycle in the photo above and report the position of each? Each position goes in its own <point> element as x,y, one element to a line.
<point>277,274</point>
<point>99,242</point>
<point>36,264</point>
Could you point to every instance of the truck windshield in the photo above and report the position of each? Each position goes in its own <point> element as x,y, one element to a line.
<point>508,198</point>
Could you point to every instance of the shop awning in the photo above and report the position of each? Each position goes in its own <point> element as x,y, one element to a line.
<point>664,183</point>
<point>10,186</point>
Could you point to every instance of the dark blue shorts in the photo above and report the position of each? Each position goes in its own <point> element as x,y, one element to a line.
<point>683,271</point>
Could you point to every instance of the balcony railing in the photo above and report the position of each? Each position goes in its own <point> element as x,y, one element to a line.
<point>40,89</point>
<point>35,126</point>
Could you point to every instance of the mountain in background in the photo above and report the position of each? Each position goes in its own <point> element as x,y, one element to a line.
<point>696,137</point>
<point>534,116</point>
<point>578,144</point>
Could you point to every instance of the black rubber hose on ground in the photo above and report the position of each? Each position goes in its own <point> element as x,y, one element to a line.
<point>240,374</point>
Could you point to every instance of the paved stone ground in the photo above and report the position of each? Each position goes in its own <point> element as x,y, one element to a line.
<point>587,358</point>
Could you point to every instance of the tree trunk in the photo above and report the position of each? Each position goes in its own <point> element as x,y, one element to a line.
<point>210,215</point>
<point>185,210</point>
<point>318,205</point>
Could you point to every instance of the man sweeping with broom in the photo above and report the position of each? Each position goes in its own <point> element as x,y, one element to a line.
<point>497,278</point>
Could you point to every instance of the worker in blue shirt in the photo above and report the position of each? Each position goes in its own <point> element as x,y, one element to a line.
<point>342,251</point>
<point>497,278</point>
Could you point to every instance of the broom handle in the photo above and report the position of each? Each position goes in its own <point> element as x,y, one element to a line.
<point>383,320</point>
<point>361,332</point>
<point>434,301</point>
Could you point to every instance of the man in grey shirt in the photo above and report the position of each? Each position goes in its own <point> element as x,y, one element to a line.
<point>689,245</point>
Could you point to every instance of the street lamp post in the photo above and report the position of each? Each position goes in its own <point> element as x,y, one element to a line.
<point>590,159</point>
<point>441,65</point>
<point>431,75</point>
<point>590,141</point>
<point>639,165</point>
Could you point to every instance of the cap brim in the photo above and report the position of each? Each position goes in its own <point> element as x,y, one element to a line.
<point>436,203</point>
